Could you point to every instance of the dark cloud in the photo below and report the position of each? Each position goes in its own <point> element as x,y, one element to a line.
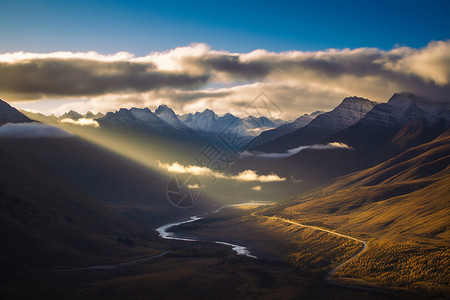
<point>81,77</point>
<point>369,67</point>
<point>188,96</point>
<point>232,65</point>
<point>177,74</point>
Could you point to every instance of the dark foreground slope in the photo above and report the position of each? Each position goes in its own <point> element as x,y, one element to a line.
<point>46,221</point>
<point>129,187</point>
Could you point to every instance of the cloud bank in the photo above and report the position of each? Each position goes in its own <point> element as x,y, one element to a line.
<point>334,145</point>
<point>32,130</point>
<point>245,176</point>
<point>81,122</point>
<point>195,76</point>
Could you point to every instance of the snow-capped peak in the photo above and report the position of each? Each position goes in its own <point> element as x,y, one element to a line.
<point>403,108</point>
<point>167,114</point>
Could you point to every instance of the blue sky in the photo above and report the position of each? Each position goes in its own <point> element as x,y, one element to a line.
<point>140,27</point>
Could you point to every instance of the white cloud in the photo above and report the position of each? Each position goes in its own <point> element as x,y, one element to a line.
<point>245,176</point>
<point>257,188</point>
<point>81,122</point>
<point>194,77</point>
<point>250,175</point>
<point>431,63</point>
<point>91,55</point>
<point>191,169</point>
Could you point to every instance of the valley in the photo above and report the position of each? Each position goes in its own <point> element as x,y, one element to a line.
<point>325,214</point>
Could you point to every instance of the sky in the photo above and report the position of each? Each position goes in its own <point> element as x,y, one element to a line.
<point>307,55</point>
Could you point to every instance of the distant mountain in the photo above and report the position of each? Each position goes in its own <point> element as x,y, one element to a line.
<point>167,114</point>
<point>279,121</point>
<point>91,115</point>
<point>406,120</point>
<point>141,119</point>
<point>269,135</point>
<point>9,114</point>
<point>209,123</point>
<point>200,126</point>
<point>202,121</point>
<point>71,115</point>
<point>390,128</point>
<point>76,115</point>
<point>403,108</point>
<point>350,111</point>
<point>252,122</point>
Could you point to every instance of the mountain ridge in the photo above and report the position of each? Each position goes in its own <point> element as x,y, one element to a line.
<point>347,113</point>
<point>9,114</point>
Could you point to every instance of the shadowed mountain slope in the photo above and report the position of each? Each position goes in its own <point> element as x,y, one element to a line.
<point>350,111</point>
<point>47,221</point>
<point>405,197</point>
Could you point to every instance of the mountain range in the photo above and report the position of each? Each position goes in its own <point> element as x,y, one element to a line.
<point>350,111</point>
<point>385,131</point>
<point>197,128</point>
<point>272,134</point>
<point>367,133</point>
<point>76,115</point>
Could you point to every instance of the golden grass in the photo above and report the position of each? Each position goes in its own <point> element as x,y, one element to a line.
<point>402,206</point>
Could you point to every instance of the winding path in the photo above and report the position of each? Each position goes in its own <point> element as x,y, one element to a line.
<point>332,271</point>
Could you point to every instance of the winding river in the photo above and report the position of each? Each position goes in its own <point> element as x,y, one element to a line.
<point>240,250</point>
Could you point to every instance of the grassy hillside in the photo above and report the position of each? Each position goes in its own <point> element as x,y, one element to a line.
<point>401,207</point>
<point>369,147</point>
<point>403,198</point>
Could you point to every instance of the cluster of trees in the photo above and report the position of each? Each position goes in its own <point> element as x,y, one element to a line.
<point>317,252</point>
<point>419,268</point>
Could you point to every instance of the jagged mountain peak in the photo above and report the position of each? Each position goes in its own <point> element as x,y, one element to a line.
<point>9,114</point>
<point>206,113</point>
<point>356,102</point>
<point>163,108</point>
<point>72,114</point>
<point>405,96</point>
<point>139,118</point>
<point>252,122</point>
<point>90,115</point>
<point>347,113</point>
<point>405,107</point>
<point>145,109</point>
<point>167,114</point>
